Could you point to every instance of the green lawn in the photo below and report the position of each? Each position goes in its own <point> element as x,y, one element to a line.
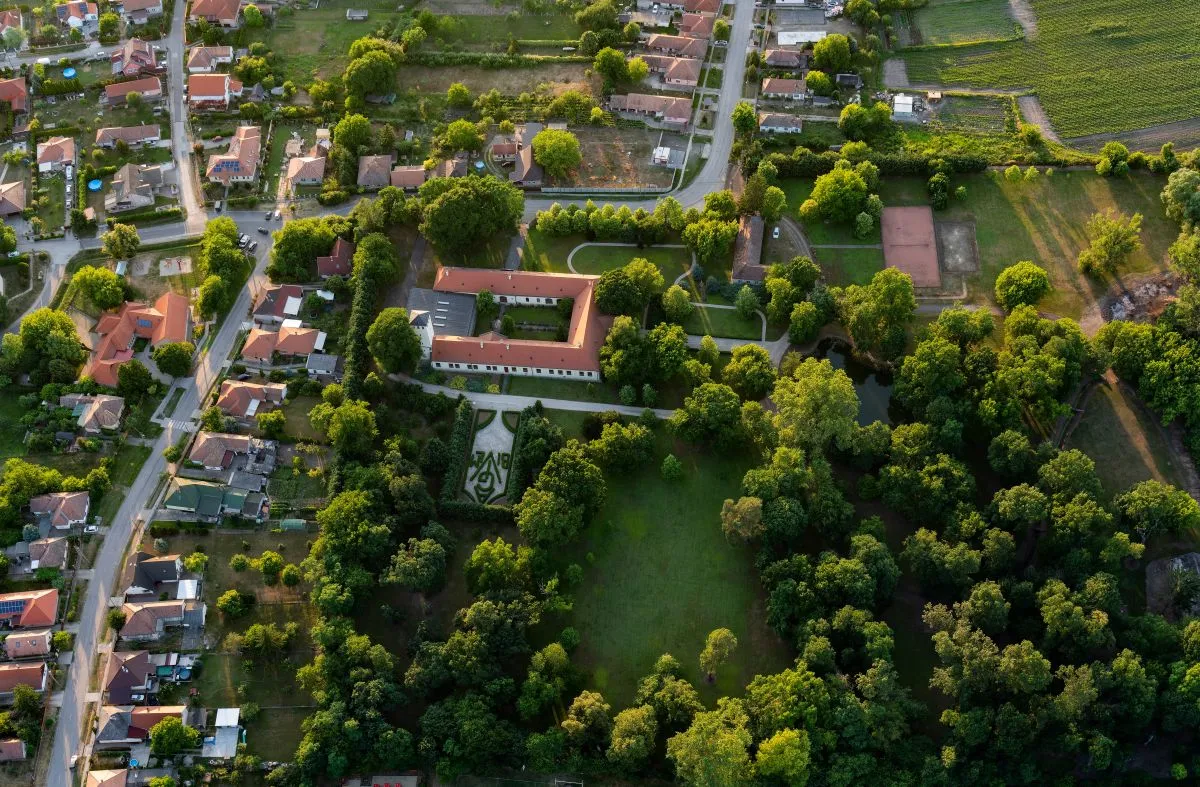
<point>724,323</point>
<point>1124,440</point>
<point>849,266</point>
<point>298,425</point>
<point>576,390</point>
<point>1082,62</point>
<point>797,192</point>
<point>659,575</point>
<point>54,212</point>
<point>546,253</point>
<point>597,259</point>
<point>285,486</point>
<point>964,21</point>
<point>479,29</point>
<point>1043,221</point>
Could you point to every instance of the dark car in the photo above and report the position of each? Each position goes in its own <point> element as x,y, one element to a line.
<point>268,216</point>
<point>243,377</point>
<point>263,231</point>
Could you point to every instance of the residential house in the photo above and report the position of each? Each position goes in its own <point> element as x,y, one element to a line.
<point>28,644</point>
<point>216,450</point>
<point>150,620</point>
<point>132,58</point>
<point>306,171</point>
<point>126,674</point>
<point>374,172</point>
<point>278,303</point>
<point>55,154</point>
<point>239,164</point>
<point>407,178</point>
<point>701,6</point>
<point>12,750</point>
<point>324,367</point>
<point>527,172</point>
<point>747,251</point>
<point>339,262</point>
<point>61,510</point>
<point>49,553</point>
<point>575,358</point>
<point>682,71</point>
<point>138,12</point>
<point>775,123</point>
<point>133,187</point>
<point>12,197</point>
<point>651,19</point>
<point>35,675</point>
<point>786,89</point>
<point>29,609</point>
<point>123,726</point>
<point>206,501</point>
<point>130,135</point>
<point>149,88</point>
<point>96,412</point>
<point>784,58</point>
<point>697,25</point>
<point>76,13</point>
<point>670,110</point>
<point>147,576</point>
<point>451,168</point>
<point>291,340</point>
<point>245,400</point>
<point>680,46</point>
<point>108,778</point>
<point>851,81</point>
<point>212,91</point>
<point>223,13</point>
<point>205,59</point>
<point>504,149</point>
<point>167,321</point>
<point>15,93</point>
<point>10,19</point>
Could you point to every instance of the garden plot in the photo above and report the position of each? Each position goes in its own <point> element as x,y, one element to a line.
<point>491,457</point>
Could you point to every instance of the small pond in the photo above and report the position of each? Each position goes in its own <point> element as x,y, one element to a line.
<point>874,388</point>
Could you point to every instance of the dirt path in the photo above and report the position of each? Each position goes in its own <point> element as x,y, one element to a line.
<point>1023,13</point>
<point>895,73</point>
<point>1184,133</point>
<point>1033,112</point>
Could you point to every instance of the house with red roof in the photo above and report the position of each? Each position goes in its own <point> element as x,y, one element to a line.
<point>576,358</point>
<point>132,58</point>
<point>217,12</point>
<point>167,321</point>
<point>12,750</point>
<point>35,675</point>
<point>15,93</point>
<point>61,510</point>
<point>338,263</point>
<point>149,88</point>
<point>212,91</point>
<point>28,609</point>
<point>278,303</point>
<point>240,163</point>
<point>239,399</point>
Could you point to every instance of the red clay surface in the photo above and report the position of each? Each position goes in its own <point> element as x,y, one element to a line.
<point>909,244</point>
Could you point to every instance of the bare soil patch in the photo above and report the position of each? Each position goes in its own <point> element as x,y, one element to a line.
<point>1022,11</point>
<point>621,157</point>
<point>1033,112</point>
<point>957,248</point>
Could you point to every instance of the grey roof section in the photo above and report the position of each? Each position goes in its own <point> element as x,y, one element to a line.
<point>149,570</point>
<point>323,363</point>
<point>114,725</point>
<point>251,482</point>
<point>453,313</point>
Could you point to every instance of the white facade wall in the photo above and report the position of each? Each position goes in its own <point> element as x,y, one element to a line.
<point>527,300</point>
<point>519,371</point>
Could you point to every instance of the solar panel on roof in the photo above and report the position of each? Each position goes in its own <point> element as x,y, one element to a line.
<point>11,607</point>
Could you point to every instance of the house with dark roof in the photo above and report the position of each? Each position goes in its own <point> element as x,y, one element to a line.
<point>208,502</point>
<point>123,726</point>
<point>134,187</point>
<point>128,673</point>
<point>131,135</point>
<point>96,413</point>
<point>747,251</point>
<point>49,553</point>
<point>776,123</point>
<point>338,263</point>
<point>139,11</point>
<point>374,172</point>
<point>784,58</point>
<point>148,576</point>
<point>147,621</point>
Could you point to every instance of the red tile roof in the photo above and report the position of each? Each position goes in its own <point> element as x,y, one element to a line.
<point>338,263</point>
<point>147,86</point>
<point>13,675</point>
<point>166,321</point>
<point>15,93</point>
<point>40,609</point>
<point>236,396</point>
<point>585,334</point>
<point>12,749</point>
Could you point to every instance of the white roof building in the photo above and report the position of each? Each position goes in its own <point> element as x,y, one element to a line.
<point>796,37</point>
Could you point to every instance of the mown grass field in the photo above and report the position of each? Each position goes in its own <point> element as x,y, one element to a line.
<point>1043,221</point>
<point>1124,440</point>
<point>315,42</point>
<point>963,21</point>
<point>659,576</point>
<point>1086,64</point>
<point>725,323</point>
<point>671,262</point>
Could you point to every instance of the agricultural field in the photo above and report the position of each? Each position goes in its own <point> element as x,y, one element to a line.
<point>962,21</point>
<point>652,559</point>
<point>1083,63</point>
<point>971,114</point>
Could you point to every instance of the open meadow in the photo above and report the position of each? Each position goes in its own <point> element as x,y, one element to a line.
<point>962,21</point>
<point>1096,65</point>
<point>659,576</point>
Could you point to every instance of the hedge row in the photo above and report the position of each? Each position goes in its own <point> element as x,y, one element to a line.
<point>358,355</point>
<point>460,452</point>
<point>517,472</point>
<point>804,163</point>
<point>470,511</point>
<point>172,528</point>
<point>58,87</point>
<point>145,217</point>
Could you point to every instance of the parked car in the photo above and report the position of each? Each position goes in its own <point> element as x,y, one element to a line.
<point>775,233</point>
<point>267,217</point>
<point>243,241</point>
<point>276,215</point>
<point>253,247</point>
<point>243,376</point>
<point>263,231</point>
<point>91,529</point>
<point>138,697</point>
<point>218,206</point>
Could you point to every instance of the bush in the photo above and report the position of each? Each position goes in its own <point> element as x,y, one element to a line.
<point>1021,284</point>
<point>672,468</point>
<point>460,446</point>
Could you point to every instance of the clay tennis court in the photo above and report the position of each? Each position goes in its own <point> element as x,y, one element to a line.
<point>910,245</point>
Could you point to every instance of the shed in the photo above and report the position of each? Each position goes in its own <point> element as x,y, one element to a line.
<point>902,107</point>
<point>293,524</point>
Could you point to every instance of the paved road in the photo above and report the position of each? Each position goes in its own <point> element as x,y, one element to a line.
<point>67,731</point>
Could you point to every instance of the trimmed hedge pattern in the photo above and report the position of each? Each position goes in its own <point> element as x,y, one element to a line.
<point>460,452</point>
